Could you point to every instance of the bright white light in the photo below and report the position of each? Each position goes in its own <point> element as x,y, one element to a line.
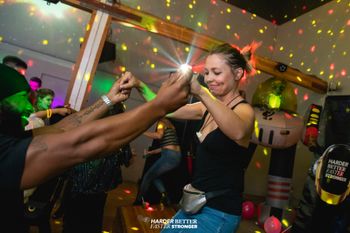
<point>55,10</point>
<point>184,68</point>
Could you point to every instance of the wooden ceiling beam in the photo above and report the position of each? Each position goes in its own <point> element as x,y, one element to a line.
<point>146,21</point>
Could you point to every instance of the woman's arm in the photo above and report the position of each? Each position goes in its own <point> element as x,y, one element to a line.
<point>237,124</point>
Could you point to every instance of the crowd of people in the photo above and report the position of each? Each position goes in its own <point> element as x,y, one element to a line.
<point>88,147</point>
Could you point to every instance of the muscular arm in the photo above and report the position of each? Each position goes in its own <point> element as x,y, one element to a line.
<point>93,112</point>
<point>51,154</point>
<point>188,112</point>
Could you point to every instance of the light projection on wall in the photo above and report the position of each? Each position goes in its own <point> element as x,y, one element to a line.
<point>319,43</point>
<point>46,10</point>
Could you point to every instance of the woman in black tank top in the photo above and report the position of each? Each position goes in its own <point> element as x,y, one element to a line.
<point>170,158</point>
<point>224,135</point>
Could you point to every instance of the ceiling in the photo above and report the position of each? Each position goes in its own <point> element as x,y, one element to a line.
<point>278,11</point>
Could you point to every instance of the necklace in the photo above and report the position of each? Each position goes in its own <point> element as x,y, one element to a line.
<point>209,118</point>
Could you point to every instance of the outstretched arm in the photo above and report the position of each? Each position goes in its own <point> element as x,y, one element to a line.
<point>188,112</point>
<point>50,154</point>
<point>93,112</point>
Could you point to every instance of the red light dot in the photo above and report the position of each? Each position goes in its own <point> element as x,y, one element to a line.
<point>271,48</point>
<point>274,22</point>
<point>300,31</point>
<point>296,91</point>
<point>306,97</point>
<point>304,8</point>
<point>313,48</point>
<point>330,11</point>
<point>244,11</point>
<point>213,2</point>
<point>331,67</point>
<point>348,23</point>
<point>343,72</point>
<point>30,63</point>
<point>258,165</point>
<point>127,191</point>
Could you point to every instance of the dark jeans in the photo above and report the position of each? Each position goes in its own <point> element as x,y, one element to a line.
<point>169,160</point>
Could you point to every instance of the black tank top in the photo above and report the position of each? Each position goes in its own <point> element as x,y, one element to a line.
<point>220,164</point>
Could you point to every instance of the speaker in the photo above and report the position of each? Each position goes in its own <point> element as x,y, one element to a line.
<point>108,52</point>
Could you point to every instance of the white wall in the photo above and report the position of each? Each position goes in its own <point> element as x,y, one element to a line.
<point>21,29</point>
<point>316,40</point>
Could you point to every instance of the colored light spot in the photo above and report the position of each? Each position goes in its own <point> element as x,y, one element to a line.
<point>258,165</point>
<point>45,42</point>
<point>343,72</point>
<point>331,67</point>
<point>266,152</point>
<point>168,17</point>
<point>87,76</point>
<point>228,27</point>
<point>124,47</point>
<point>30,63</point>
<point>313,48</point>
<point>127,191</point>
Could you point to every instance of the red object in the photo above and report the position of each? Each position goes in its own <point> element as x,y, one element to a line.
<point>272,225</point>
<point>248,210</point>
<point>189,164</point>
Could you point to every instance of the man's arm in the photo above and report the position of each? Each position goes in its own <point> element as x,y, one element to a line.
<point>50,154</point>
<point>193,111</point>
<point>93,112</point>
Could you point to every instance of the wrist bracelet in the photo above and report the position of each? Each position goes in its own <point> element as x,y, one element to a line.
<point>107,101</point>
<point>48,113</point>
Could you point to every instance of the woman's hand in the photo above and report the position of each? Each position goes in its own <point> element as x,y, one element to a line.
<point>196,87</point>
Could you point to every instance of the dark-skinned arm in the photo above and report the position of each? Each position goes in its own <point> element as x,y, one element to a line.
<point>50,154</point>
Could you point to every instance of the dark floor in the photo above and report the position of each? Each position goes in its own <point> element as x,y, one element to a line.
<point>125,195</point>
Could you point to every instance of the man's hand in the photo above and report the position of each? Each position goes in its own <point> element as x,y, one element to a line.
<point>174,92</point>
<point>118,94</point>
<point>130,82</point>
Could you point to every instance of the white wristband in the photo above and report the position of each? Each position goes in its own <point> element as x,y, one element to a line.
<point>107,101</point>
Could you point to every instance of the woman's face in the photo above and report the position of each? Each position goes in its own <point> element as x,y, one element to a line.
<point>45,102</point>
<point>218,75</point>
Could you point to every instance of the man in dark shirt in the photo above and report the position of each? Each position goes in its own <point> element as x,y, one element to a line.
<point>28,159</point>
